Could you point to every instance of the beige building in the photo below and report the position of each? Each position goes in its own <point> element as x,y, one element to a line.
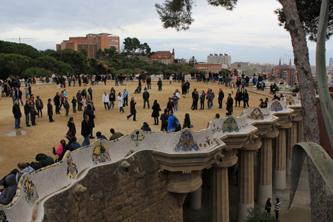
<point>91,43</point>
<point>219,59</point>
<point>206,67</point>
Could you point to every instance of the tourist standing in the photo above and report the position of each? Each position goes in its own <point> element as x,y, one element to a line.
<point>56,101</point>
<point>17,114</point>
<point>132,109</point>
<point>268,207</point>
<point>90,113</point>
<point>49,110</point>
<point>159,83</point>
<point>106,100</point>
<point>85,131</point>
<point>32,113</point>
<point>220,98</point>
<point>112,97</point>
<point>79,100</point>
<point>66,106</point>
<point>173,122</point>
<point>245,99</point>
<point>125,97</point>
<point>202,100</point>
<point>71,127</point>
<point>210,97</point>
<point>156,112</point>
<point>164,120</point>
<point>39,106</point>
<point>27,113</point>
<point>277,208</point>
<point>74,104</point>
<point>230,103</point>
<point>120,103</point>
<point>175,102</point>
<point>145,96</point>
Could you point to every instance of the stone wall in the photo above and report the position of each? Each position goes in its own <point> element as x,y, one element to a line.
<point>131,190</point>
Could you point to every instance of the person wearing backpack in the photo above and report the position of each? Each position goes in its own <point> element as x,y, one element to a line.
<point>173,122</point>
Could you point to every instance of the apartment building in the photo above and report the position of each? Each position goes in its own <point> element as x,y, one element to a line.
<point>91,43</point>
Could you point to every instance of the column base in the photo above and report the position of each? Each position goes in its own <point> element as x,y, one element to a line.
<point>288,167</point>
<point>196,199</point>
<point>264,191</point>
<point>279,179</point>
<point>242,211</point>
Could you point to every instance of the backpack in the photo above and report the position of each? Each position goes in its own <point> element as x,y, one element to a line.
<point>175,123</point>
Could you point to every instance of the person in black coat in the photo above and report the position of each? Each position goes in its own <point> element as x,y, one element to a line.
<point>85,131</point>
<point>164,119</point>
<point>145,127</point>
<point>17,114</point>
<point>71,127</point>
<point>50,110</point>
<point>187,121</point>
<point>56,101</point>
<point>132,109</point>
<point>156,112</point>
<point>238,97</point>
<point>230,103</point>
<point>195,97</point>
<point>245,99</point>
<point>220,98</point>
<point>90,113</point>
<point>27,112</point>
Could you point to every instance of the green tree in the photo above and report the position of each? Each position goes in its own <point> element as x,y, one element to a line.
<point>100,55</point>
<point>13,64</point>
<point>18,48</point>
<point>84,52</point>
<point>131,45</point>
<point>75,59</point>
<point>192,61</point>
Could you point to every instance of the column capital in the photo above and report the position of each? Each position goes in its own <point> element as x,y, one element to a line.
<point>184,182</point>
<point>254,144</point>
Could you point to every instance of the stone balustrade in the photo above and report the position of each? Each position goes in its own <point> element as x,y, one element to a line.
<point>183,155</point>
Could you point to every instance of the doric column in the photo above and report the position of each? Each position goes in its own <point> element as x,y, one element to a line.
<point>279,169</point>
<point>246,177</point>
<point>195,199</point>
<point>220,187</point>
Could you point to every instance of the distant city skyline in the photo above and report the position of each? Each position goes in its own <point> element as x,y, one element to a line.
<point>249,33</point>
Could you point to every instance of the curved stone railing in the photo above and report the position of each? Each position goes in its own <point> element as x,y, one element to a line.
<point>35,188</point>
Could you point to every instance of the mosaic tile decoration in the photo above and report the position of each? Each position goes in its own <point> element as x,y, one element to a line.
<point>100,154</point>
<point>3,217</point>
<point>71,167</point>
<point>290,100</point>
<point>30,192</point>
<point>230,125</point>
<point>276,106</point>
<point>257,114</point>
<point>186,142</point>
<point>137,136</point>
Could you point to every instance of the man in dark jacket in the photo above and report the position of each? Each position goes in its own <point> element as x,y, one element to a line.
<point>79,100</point>
<point>17,114</point>
<point>164,120</point>
<point>49,110</point>
<point>85,131</point>
<point>245,99</point>
<point>32,113</point>
<point>8,194</point>
<point>145,97</point>
<point>132,109</point>
<point>18,95</point>
<point>195,97</point>
<point>27,112</point>
<point>230,103</point>
<point>56,101</point>
<point>221,96</point>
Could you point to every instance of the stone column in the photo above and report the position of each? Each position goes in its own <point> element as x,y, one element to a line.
<point>279,173</point>
<point>300,135</point>
<point>245,183</point>
<point>220,194</point>
<point>195,198</point>
<point>291,141</point>
<point>265,171</point>
<point>220,187</point>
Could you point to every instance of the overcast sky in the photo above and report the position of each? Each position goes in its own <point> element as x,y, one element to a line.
<point>249,33</point>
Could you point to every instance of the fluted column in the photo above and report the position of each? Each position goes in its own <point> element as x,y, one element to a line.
<point>220,187</point>
<point>279,169</point>
<point>245,183</point>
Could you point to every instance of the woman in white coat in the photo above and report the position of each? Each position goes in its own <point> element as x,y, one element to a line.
<point>120,102</point>
<point>105,100</point>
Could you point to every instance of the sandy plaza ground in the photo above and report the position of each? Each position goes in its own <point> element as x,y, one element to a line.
<point>16,147</point>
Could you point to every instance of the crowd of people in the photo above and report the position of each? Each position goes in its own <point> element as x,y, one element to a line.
<point>83,102</point>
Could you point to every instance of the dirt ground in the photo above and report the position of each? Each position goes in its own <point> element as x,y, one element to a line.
<point>29,141</point>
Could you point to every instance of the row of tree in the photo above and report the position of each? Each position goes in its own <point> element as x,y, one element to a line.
<point>24,60</point>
